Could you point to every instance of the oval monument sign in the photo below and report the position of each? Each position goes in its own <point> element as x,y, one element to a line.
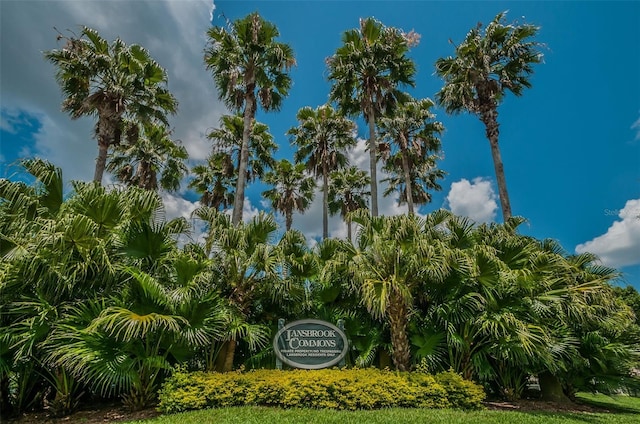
<point>310,344</point>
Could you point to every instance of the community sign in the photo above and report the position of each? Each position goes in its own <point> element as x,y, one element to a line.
<point>310,344</point>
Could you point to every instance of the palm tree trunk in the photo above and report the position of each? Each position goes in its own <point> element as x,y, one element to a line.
<point>551,388</point>
<point>101,161</point>
<point>106,131</point>
<point>349,229</point>
<point>249,112</point>
<point>373,162</point>
<point>288,218</point>
<point>325,201</point>
<point>407,173</point>
<point>229,354</point>
<point>489,117</point>
<point>398,327</point>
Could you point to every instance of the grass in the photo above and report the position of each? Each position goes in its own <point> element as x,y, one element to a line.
<point>624,410</point>
<point>623,404</point>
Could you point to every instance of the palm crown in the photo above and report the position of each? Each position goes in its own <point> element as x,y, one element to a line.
<point>244,58</point>
<point>322,138</point>
<point>410,139</point>
<point>113,81</point>
<point>485,66</point>
<point>366,72</point>
<point>291,191</point>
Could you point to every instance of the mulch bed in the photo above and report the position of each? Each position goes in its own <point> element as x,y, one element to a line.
<point>102,413</point>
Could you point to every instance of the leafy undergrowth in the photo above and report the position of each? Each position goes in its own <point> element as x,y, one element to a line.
<point>351,389</point>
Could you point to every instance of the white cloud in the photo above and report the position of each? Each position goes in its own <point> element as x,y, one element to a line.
<point>636,126</point>
<point>475,199</point>
<point>620,245</point>
<point>177,207</point>
<point>173,31</point>
<point>248,210</point>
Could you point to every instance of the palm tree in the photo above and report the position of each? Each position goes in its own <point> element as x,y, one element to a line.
<point>292,190</point>
<point>227,140</point>
<point>113,82</point>
<point>389,268</point>
<point>485,66</point>
<point>366,72</point>
<point>139,160</point>
<point>248,65</point>
<point>60,252</point>
<point>414,133</point>
<point>215,181</point>
<point>322,137</point>
<point>159,320</point>
<point>348,193</point>
<point>249,267</point>
<point>423,176</point>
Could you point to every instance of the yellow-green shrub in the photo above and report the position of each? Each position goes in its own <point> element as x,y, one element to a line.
<point>330,388</point>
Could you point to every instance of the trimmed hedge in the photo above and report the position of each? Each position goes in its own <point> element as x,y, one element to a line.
<point>329,388</point>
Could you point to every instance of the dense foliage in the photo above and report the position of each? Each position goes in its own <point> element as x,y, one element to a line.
<point>331,389</point>
<point>102,296</point>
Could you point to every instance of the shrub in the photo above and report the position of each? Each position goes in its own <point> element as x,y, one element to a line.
<point>335,389</point>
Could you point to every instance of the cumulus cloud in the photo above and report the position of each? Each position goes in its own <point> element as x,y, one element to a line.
<point>475,199</point>
<point>620,245</point>
<point>174,32</point>
<point>177,207</point>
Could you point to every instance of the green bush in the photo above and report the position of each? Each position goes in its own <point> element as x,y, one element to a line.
<point>335,389</point>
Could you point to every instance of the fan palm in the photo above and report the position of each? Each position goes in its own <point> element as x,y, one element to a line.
<point>485,66</point>
<point>291,191</point>
<point>249,265</point>
<point>322,137</point>
<point>227,140</point>
<point>57,253</point>
<point>113,81</point>
<point>366,72</point>
<point>410,134</point>
<point>215,181</point>
<point>248,66</point>
<point>394,258</point>
<point>348,193</point>
<point>423,177</point>
<point>126,347</point>
<point>139,160</point>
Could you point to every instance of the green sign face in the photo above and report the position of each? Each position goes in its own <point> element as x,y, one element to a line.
<point>310,344</point>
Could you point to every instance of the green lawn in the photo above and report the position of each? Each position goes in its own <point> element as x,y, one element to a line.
<point>625,410</point>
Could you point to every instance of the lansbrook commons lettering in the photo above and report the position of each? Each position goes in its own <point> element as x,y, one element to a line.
<point>310,338</point>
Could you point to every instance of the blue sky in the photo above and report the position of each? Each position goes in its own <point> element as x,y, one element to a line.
<point>570,144</point>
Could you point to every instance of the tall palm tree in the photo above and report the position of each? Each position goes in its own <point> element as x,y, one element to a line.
<point>248,66</point>
<point>215,181</point>
<point>292,190</point>
<point>322,137</point>
<point>412,132</point>
<point>366,72</point>
<point>486,65</point>
<point>114,82</point>
<point>145,154</point>
<point>423,177</point>
<point>348,193</point>
<point>227,140</point>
